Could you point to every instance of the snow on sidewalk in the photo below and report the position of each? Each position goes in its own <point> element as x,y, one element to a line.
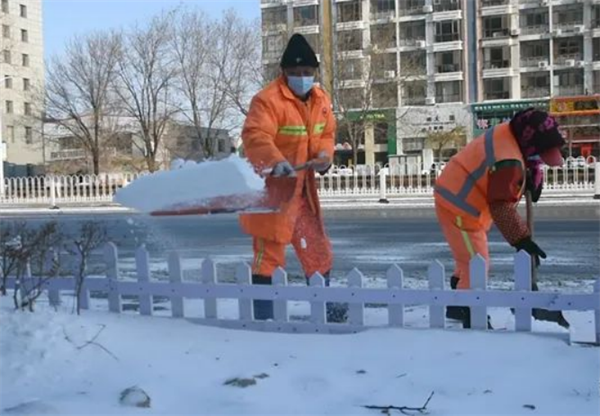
<point>183,367</point>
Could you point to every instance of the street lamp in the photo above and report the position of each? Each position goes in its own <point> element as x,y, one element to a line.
<point>2,155</point>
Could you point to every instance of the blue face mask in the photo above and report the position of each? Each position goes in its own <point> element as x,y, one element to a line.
<point>301,85</point>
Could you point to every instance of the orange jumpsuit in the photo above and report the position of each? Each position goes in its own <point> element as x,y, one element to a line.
<point>280,127</point>
<point>480,185</point>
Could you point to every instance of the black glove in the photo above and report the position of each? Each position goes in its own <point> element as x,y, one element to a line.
<point>532,248</point>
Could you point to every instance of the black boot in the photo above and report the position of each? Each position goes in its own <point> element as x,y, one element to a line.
<point>336,312</point>
<point>456,312</point>
<point>263,309</point>
<point>461,313</point>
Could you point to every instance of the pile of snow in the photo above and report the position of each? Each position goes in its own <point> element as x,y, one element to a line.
<point>48,367</point>
<point>190,183</point>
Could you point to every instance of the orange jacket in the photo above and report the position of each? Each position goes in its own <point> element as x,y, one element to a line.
<point>279,126</point>
<point>462,187</point>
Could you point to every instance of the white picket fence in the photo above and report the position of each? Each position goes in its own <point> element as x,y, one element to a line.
<point>366,181</point>
<point>395,296</point>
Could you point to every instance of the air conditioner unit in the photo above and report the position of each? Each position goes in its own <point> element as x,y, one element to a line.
<point>389,74</point>
<point>580,64</point>
<point>515,32</point>
<point>543,64</point>
<point>579,29</point>
<point>570,62</point>
<point>421,43</point>
<point>544,2</point>
<point>428,9</point>
<point>430,100</point>
<point>557,31</point>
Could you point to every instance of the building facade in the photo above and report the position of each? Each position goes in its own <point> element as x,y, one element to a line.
<point>22,74</point>
<point>443,63</point>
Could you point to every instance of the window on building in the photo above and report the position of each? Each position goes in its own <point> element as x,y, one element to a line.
<point>6,56</point>
<point>351,69</point>
<point>496,26</point>
<point>5,6</point>
<point>350,40</point>
<point>534,19</point>
<point>446,5</point>
<point>381,9</point>
<point>273,44</point>
<point>23,10</point>
<point>447,31</point>
<point>6,31</point>
<point>413,144</point>
<point>448,61</point>
<point>596,80</point>
<point>596,49</point>
<point>496,88</point>
<point>383,36</point>
<point>10,130</point>
<point>385,95</point>
<point>568,15</point>
<point>569,46</point>
<point>9,107</point>
<point>8,82</point>
<point>349,11</point>
<point>222,145</point>
<point>413,63</point>
<point>28,135</point>
<point>568,78</point>
<point>596,16</point>
<point>495,58</point>
<point>24,35</point>
<point>25,59</point>
<point>448,92</point>
<point>27,109</point>
<point>306,16</point>
<point>537,49</point>
<point>26,84</point>
<point>535,85</point>
<point>414,93</point>
<point>274,16</point>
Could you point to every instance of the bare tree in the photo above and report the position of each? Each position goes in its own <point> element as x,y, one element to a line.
<point>216,63</point>
<point>446,139</point>
<point>146,83</point>
<point>31,246</point>
<point>78,91</point>
<point>91,236</point>
<point>368,82</point>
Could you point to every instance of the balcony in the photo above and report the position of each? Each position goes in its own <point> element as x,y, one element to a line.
<point>568,90</point>
<point>496,33</point>
<point>446,6</point>
<point>414,8</point>
<point>272,3</point>
<point>568,59</point>
<point>414,100</point>
<point>491,3</point>
<point>415,42</point>
<point>535,30</point>
<point>383,16</point>
<point>535,92</point>
<point>446,68</point>
<point>534,62</point>
<point>496,95</point>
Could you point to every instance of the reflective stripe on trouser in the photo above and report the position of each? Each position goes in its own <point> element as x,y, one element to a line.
<point>311,244</point>
<point>466,238</point>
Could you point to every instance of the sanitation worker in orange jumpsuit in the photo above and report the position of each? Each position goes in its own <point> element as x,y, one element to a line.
<point>289,123</point>
<point>483,184</point>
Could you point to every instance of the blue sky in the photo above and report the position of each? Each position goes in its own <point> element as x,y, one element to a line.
<point>65,18</point>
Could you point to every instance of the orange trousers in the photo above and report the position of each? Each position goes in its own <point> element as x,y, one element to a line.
<point>466,237</point>
<point>310,242</point>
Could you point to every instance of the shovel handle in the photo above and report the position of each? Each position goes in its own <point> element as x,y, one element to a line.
<point>529,213</point>
<point>297,168</point>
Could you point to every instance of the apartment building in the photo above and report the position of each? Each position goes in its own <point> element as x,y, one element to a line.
<point>22,78</point>
<point>443,63</point>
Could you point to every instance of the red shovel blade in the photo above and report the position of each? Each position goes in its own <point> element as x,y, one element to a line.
<point>278,191</point>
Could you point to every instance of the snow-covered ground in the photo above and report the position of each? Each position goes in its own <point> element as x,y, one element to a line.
<point>47,368</point>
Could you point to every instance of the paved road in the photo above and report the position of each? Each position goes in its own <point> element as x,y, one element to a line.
<point>370,240</point>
